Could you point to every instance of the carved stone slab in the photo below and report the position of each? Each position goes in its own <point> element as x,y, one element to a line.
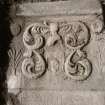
<point>56,51</point>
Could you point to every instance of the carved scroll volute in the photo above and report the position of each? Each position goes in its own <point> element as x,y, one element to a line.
<point>77,66</point>
<point>78,36</point>
<point>33,65</point>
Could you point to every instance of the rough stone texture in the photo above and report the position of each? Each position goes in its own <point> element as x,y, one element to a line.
<point>72,7</point>
<point>63,98</point>
<point>57,55</point>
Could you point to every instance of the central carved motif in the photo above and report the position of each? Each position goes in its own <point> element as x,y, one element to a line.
<point>72,36</point>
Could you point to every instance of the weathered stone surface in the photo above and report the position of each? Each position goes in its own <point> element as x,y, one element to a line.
<point>63,98</point>
<point>56,56</point>
<point>72,7</point>
<point>54,76</point>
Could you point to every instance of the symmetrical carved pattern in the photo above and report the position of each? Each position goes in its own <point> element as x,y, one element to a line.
<point>74,36</point>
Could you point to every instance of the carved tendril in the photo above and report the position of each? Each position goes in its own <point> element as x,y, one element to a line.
<point>79,68</point>
<point>31,39</point>
<point>78,36</point>
<point>33,67</point>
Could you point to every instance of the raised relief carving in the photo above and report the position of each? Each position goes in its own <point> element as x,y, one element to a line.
<point>77,66</point>
<point>54,65</point>
<point>74,36</point>
<point>77,37</point>
<point>33,65</point>
<point>14,80</point>
<point>16,26</point>
<point>15,29</point>
<point>54,35</point>
<point>97,25</point>
<point>15,57</point>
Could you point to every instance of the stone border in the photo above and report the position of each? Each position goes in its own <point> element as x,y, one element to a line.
<point>73,7</point>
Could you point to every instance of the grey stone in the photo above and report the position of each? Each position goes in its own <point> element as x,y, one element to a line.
<point>57,55</point>
<point>63,98</point>
<point>72,7</point>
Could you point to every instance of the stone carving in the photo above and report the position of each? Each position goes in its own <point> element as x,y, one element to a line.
<point>54,65</point>
<point>54,35</point>
<point>73,35</point>
<point>14,80</point>
<point>33,65</point>
<point>15,57</point>
<point>97,25</point>
<point>77,66</point>
<point>78,36</point>
<point>15,29</point>
<point>32,39</point>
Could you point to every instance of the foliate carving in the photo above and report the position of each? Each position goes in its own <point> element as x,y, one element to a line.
<point>32,38</point>
<point>78,36</point>
<point>97,25</point>
<point>74,36</point>
<point>15,58</point>
<point>34,66</point>
<point>14,80</point>
<point>77,66</point>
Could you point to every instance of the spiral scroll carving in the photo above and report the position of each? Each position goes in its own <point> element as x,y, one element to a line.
<point>32,39</point>
<point>77,36</point>
<point>73,35</point>
<point>77,66</point>
<point>33,67</point>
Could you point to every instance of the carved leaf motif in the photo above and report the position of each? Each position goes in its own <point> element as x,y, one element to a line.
<point>14,80</point>
<point>78,68</point>
<point>75,36</point>
<point>34,66</point>
<point>78,37</point>
<point>15,58</point>
<point>64,28</point>
<point>32,40</point>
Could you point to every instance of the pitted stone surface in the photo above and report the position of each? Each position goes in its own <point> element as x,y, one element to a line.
<point>57,55</point>
<point>64,8</point>
<point>63,98</point>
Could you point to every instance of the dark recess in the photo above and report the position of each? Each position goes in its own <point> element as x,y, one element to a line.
<point>5,38</point>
